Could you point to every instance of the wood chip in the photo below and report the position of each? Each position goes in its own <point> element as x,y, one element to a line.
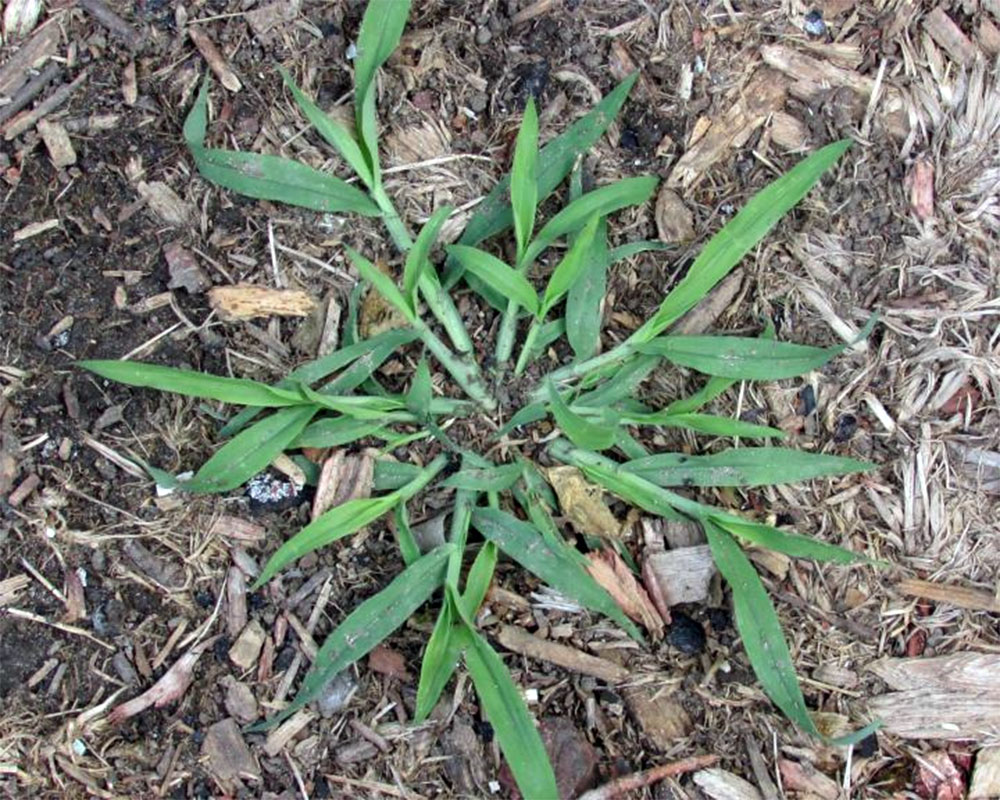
<point>216,61</point>
<point>279,738</point>
<point>266,20</point>
<point>951,594</point>
<point>57,142</point>
<point>921,182</point>
<point>247,646</point>
<point>988,37</point>
<point>608,569</point>
<point>389,662</point>
<point>229,758</point>
<point>814,77</point>
<point>33,54</point>
<point>704,315</point>
<point>583,503</point>
<point>160,570</point>
<point>99,10</point>
<point>682,575</point>
<point>35,229</point>
<point>763,94</point>
<point>343,477</point>
<point>674,221</point>
<point>836,675</point>
<point>527,644</point>
<point>719,784</point>
<point>938,714</point>
<point>246,301</point>
<point>130,85</point>
<point>943,30</point>
<point>968,672</point>
<point>806,778</point>
<point>789,132</point>
<point>241,530</point>
<point>24,490</point>
<point>661,717</point>
<point>236,601</point>
<point>11,587</point>
<point>27,119</point>
<point>165,203</point>
<point>986,774</point>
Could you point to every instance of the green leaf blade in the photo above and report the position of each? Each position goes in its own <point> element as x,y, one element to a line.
<point>759,628</point>
<point>569,269</point>
<point>583,433</point>
<point>585,295</point>
<point>416,257</point>
<point>741,234</point>
<point>512,723</point>
<point>487,479</point>
<point>382,283</point>
<point>498,275</point>
<point>268,177</point>
<point>368,625</point>
<point>523,178</point>
<point>746,466</point>
<point>439,662</point>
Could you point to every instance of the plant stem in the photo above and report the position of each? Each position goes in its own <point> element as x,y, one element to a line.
<point>581,369</point>
<point>529,344</point>
<point>508,327</point>
<point>463,369</point>
<point>438,300</point>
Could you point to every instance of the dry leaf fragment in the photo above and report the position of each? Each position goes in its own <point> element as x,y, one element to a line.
<point>660,716</point>
<point>246,301</point>
<point>165,203</point>
<point>674,221</point>
<point>608,569</point>
<point>389,662</point>
<point>167,689</point>
<point>583,503</point>
<point>264,20</point>
<point>986,774</point>
<point>184,270</point>
<point>804,777</point>
<point>377,315</point>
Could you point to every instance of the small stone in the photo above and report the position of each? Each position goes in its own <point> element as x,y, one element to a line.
<point>478,102</point>
<point>661,717</point>
<point>813,23</point>
<point>483,35</point>
<point>686,634</point>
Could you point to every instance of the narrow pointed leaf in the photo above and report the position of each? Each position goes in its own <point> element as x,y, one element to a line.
<point>740,235</point>
<point>523,177</point>
<point>479,578</point>
<point>555,161</point>
<point>343,520</point>
<point>416,258</point>
<point>512,723</point>
<point>492,271</point>
<point>570,268</point>
<point>368,625</point>
<point>791,544</point>
<point>600,202</point>
<point>336,431</point>
<point>283,180</point>
<point>381,28</point>
<point>419,398</point>
<point>550,562</point>
<point>251,451</point>
<point>585,295</point>
<point>621,384</point>
<point>759,628</point>
<point>746,466</point>
<point>330,129</point>
<point>439,662</point>
<point>489,479</point>
<point>382,283</point>
<point>739,358</point>
<point>238,391</point>
<point>630,249</point>
<point>706,423</point>
<point>582,432</point>
<point>408,547</point>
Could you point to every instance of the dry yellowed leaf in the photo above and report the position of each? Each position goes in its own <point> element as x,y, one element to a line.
<point>608,569</point>
<point>582,503</point>
<point>245,301</point>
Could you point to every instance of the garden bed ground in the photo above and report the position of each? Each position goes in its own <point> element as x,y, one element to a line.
<point>108,240</point>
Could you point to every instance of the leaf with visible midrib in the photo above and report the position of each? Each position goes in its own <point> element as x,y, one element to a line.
<point>746,466</point>
<point>249,452</point>
<point>512,723</point>
<point>366,626</point>
<point>759,628</point>
<point>726,249</point>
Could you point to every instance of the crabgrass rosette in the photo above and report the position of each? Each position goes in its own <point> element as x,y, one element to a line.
<point>594,399</point>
